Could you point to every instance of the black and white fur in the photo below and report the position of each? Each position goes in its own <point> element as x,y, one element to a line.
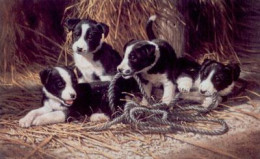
<point>153,60</point>
<point>95,59</point>
<point>186,74</point>
<point>64,97</point>
<point>217,77</point>
<point>212,77</point>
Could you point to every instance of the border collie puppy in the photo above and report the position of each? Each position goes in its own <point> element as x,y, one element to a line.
<point>217,77</point>
<point>94,59</point>
<point>153,61</point>
<point>212,77</point>
<point>63,97</point>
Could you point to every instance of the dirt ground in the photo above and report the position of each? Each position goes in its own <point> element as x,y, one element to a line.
<point>241,113</point>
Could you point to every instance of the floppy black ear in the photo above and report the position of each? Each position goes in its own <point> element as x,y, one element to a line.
<point>44,75</point>
<point>205,64</point>
<point>129,43</point>
<point>71,23</point>
<point>235,68</point>
<point>104,28</point>
<point>207,61</point>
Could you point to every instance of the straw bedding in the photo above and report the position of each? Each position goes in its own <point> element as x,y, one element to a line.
<point>74,141</point>
<point>28,46</point>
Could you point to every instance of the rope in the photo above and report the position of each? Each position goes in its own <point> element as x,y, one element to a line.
<point>158,118</point>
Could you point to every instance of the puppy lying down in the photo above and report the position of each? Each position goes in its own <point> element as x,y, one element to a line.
<point>212,77</point>
<point>63,97</point>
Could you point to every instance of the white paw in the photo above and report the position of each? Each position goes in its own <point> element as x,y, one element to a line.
<point>184,84</point>
<point>26,121</point>
<point>184,88</point>
<point>167,100</point>
<point>40,120</point>
<point>207,102</point>
<point>99,117</point>
<point>144,102</point>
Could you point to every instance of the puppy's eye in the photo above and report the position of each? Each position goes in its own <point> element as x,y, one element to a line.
<point>92,35</point>
<point>133,58</point>
<point>218,78</point>
<point>60,84</point>
<point>77,33</point>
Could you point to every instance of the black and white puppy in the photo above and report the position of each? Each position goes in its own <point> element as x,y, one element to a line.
<point>95,59</point>
<point>212,77</point>
<point>217,77</point>
<point>153,61</point>
<point>64,97</point>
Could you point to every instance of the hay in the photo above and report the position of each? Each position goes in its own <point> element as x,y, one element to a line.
<point>17,99</point>
<point>31,34</point>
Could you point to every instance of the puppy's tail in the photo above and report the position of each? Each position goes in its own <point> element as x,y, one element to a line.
<point>149,28</point>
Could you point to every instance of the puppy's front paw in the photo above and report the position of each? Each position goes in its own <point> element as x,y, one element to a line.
<point>184,88</point>
<point>144,102</point>
<point>184,84</point>
<point>207,102</point>
<point>99,117</point>
<point>26,121</point>
<point>40,120</point>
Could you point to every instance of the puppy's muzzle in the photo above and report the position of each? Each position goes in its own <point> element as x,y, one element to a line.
<point>202,92</point>
<point>126,73</point>
<point>80,50</point>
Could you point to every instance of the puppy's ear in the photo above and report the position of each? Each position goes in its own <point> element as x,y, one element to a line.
<point>207,61</point>
<point>104,28</point>
<point>205,64</point>
<point>44,75</point>
<point>71,23</point>
<point>235,69</point>
<point>129,43</point>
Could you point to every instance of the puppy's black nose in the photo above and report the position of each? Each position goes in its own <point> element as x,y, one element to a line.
<point>202,92</point>
<point>79,49</point>
<point>73,96</point>
<point>120,70</point>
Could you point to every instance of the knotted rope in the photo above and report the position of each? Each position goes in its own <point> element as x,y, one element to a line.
<point>158,118</point>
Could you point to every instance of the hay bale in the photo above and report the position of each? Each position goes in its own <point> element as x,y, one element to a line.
<point>192,27</point>
<point>246,40</point>
<point>32,31</point>
<point>209,29</point>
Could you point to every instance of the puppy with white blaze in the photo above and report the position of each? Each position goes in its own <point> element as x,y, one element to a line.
<point>64,97</point>
<point>153,61</point>
<point>217,77</point>
<point>212,77</point>
<point>94,59</point>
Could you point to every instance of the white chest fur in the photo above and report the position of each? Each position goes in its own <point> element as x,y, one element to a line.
<point>88,66</point>
<point>53,105</point>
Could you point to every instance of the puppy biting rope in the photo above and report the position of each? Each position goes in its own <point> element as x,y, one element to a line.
<point>157,119</point>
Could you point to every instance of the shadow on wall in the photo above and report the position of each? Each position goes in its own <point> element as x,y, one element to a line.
<point>30,30</point>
